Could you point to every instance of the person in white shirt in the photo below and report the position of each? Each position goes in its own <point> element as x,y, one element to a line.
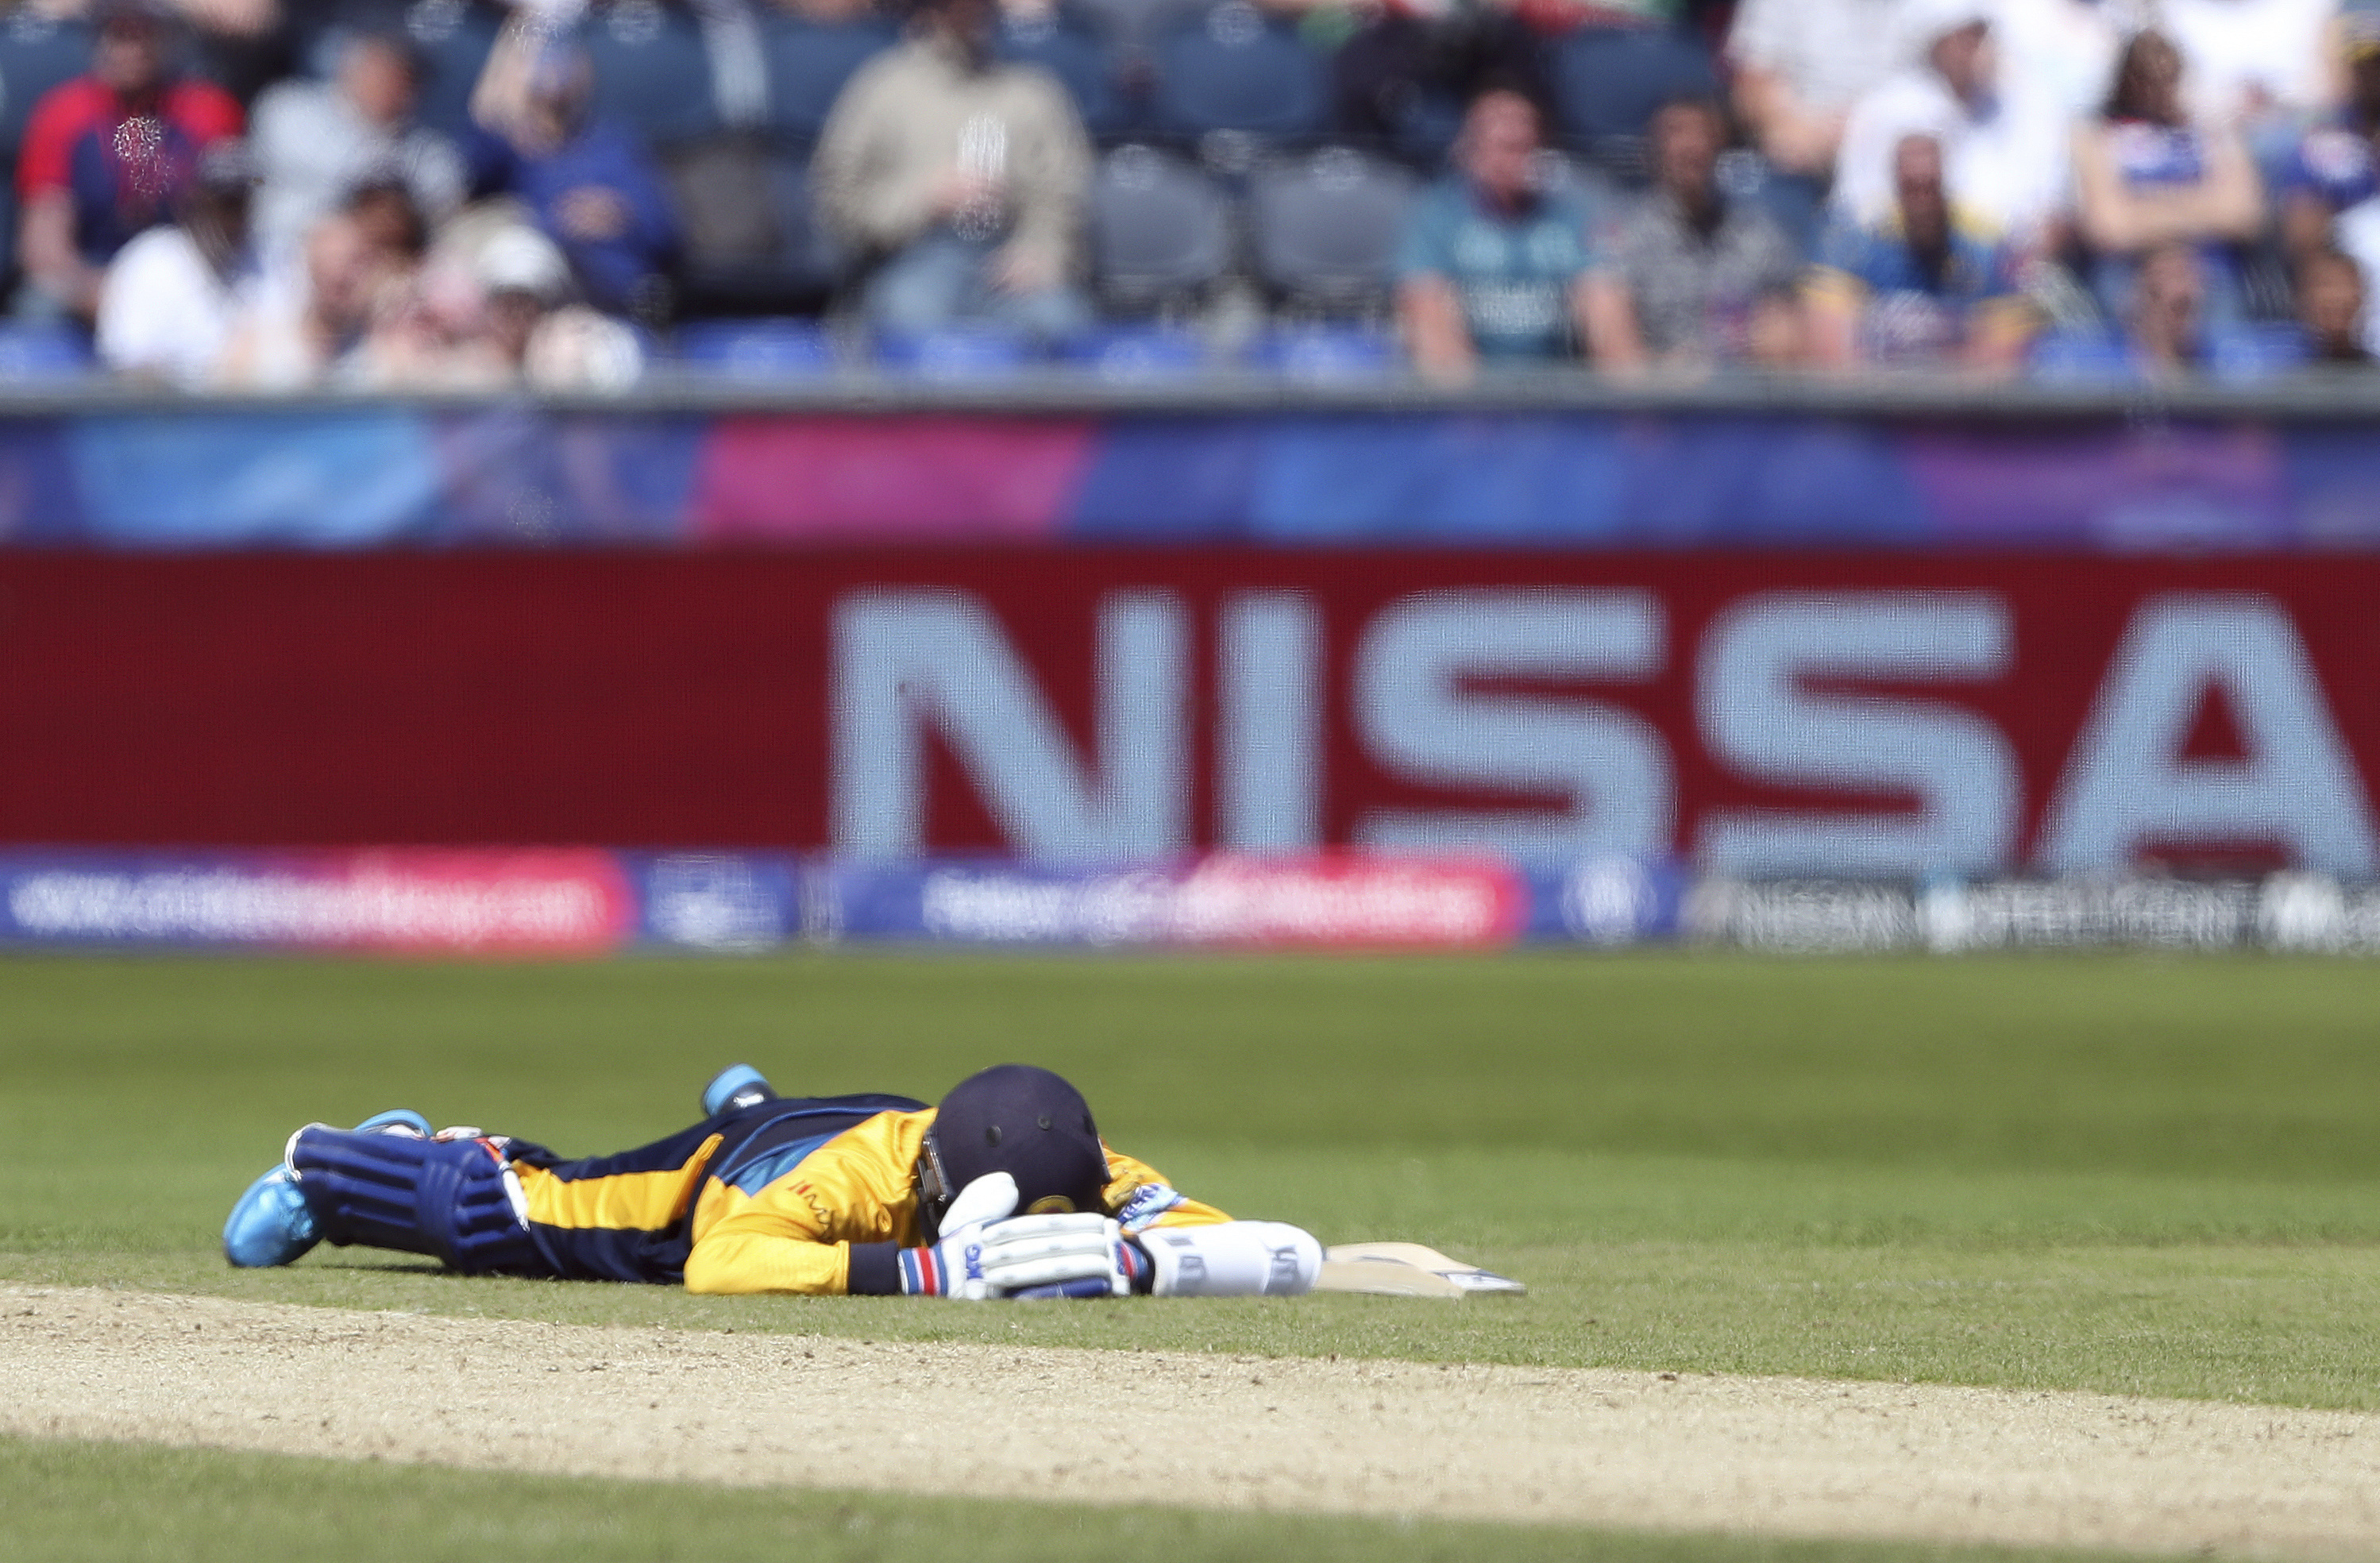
<point>2003,139</point>
<point>170,297</point>
<point>2250,62</point>
<point>315,140</point>
<point>1799,66</point>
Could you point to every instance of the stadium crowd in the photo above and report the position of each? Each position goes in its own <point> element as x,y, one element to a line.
<point>434,195</point>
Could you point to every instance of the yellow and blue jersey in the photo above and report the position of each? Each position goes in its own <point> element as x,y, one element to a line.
<point>812,1194</point>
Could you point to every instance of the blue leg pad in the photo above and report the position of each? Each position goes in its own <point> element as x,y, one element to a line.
<point>417,1196</point>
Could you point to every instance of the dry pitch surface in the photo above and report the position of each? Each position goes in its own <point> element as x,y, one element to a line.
<point>1584,1446</point>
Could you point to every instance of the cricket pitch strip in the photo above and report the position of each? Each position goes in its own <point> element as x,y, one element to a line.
<point>1596,1447</point>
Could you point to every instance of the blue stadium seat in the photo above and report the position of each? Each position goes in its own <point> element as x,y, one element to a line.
<point>1232,68</point>
<point>36,54</point>
<point>1608,81</point>
<point>50,352</point>
<point>1160,230</point>
<point>1326,228</point>
<point>1082,62</point>
<point>1139,353</point>
<point>652,69</point>
<point>454,38</point>
<point>752,241</point>
<point>808,66</point>
<point>1128,24</point>
<point>764,349</point>
<point>956,353</point>
<point>1327,353</point>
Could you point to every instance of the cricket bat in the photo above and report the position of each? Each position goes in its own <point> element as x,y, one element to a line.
<point>1405,1270</point>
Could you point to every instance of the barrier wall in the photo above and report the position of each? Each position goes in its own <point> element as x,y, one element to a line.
<point>1754,715</point>
<point>1887,468</point>
<point>446,901</point>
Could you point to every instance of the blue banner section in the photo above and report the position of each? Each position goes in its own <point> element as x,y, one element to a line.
<point>1607,900</point>
<point>717,900</point>
<point>373,475</point>
<point>579,902</point>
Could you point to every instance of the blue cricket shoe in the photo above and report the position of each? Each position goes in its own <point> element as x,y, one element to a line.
<point>269,1224</point>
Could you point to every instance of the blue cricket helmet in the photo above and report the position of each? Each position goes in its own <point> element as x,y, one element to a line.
<point>1025,1121</point>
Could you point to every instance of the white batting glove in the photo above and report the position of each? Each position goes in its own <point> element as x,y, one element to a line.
<point>1073,1255</point>
<point>954,1267</point>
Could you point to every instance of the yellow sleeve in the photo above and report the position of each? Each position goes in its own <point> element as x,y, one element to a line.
<point>795,1234</point>
<point>1127,1177</point>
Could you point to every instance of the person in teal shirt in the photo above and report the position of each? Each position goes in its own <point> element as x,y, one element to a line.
<point>1492,266</point>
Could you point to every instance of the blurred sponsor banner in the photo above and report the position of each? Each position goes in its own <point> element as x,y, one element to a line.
<point>490,902</point>
<point>1222,900</point>
<point>373,474</point>
<point>583,902</point>
<point>1758,715</point>
<point>2303,914</point>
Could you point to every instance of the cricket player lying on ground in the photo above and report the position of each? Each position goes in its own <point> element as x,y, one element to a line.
<point>1006,1189</point>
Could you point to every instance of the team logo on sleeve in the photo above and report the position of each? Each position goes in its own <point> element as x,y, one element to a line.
<point>1147,1202</point>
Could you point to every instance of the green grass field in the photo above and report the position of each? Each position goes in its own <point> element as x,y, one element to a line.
<point>2103,1173</point>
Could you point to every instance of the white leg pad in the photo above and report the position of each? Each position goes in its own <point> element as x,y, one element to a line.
<point>1233,1259</point>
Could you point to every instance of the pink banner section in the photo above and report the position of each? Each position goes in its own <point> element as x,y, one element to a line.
<point>395,902</point>
<point>849,479</point>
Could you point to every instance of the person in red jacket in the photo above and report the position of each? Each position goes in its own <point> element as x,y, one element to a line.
<point>108,154</point>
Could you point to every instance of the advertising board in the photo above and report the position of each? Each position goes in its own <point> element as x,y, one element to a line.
<point>1754,715</point>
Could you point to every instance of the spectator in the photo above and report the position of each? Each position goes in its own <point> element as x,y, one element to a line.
<point>2254,63</point>
<point>107,155</point>
<point>315,139</point>
<point>2065,50</point>
<point>1776,337</point>
<point>171,296</point>
<point>2002,142</point>
<point>381,204</point>
<point>1401,79</point>
<point>2168,332</point>
<point>2166,328</point>
<point>1800,65</point>
<point>2334,167</point>
<point>1919,287</point>
<point>299,331</point>
<point>959,181</point>
<point>2330,310</point>
<point>1492,268</point>
<point>2146,177</point>
<point>592,184</point>
<point>1688,263</point>
<point>492,312</point>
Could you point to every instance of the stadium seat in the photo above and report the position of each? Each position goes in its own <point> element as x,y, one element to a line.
<point>1159,229</point>
<point>31,351</point>
<point>764,349</point>
<point>454,38</point>
<point>955,353</point>
<point>744,256</point>
<point>1232,69</point>
<point>1327,352</point>
<point>36,54</point>
<point>1608,81</point>
<point>652,69</point>
<point>1128,24</point>
<point>1326,227</point>
<point>1068,48</point>
<point>1138,353</point>
<point>809,64</point>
